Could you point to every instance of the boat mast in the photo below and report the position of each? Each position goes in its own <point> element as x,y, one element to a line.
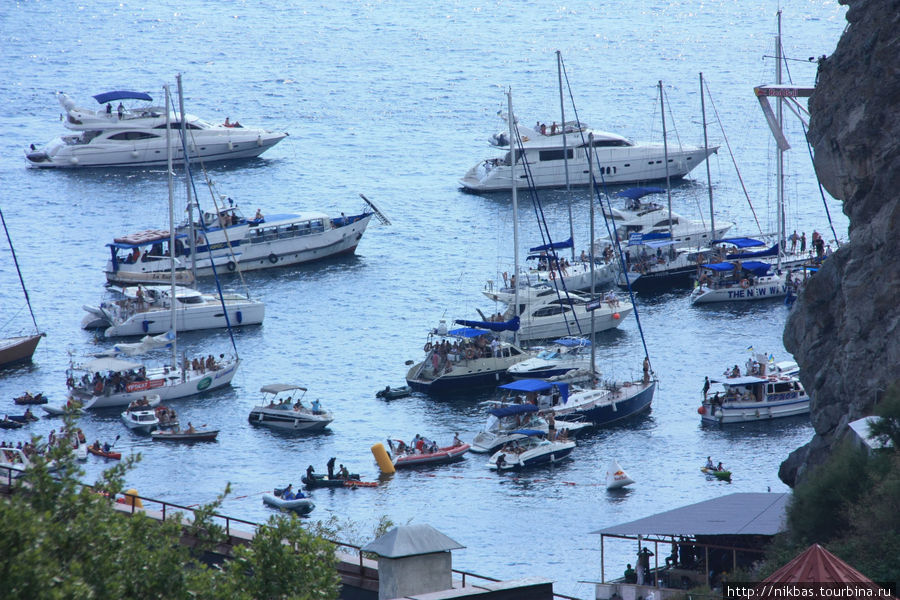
<point>662,108</point>
<point>513,146</point>
<point>187,177</point>
<point>19,271</point>
<point>171,227</point>
<point>562,112</point>
<point>591,247</point>
<point>779,163</point>
<point>712,214</point>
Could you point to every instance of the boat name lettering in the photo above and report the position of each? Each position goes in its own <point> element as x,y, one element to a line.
<point>137,386</point>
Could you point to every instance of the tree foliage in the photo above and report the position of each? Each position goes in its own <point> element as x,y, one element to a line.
<point>63,540</point>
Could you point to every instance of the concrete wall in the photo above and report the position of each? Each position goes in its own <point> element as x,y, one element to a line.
<point>398,577</point>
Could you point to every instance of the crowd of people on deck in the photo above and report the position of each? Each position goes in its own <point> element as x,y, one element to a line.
<point>65,436</point>
<point>298,406</point>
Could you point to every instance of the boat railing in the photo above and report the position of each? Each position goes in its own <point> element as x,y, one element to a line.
<point>133,503</point>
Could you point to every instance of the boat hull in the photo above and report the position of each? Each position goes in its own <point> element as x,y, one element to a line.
<point>211,317</point>
<point>299,505</point>
<point>288,420</point>
<point>532,458</point>
<point>18,349</point>
<point>184,436</point>
<point>771,287</point>
<point>629,401</point>
<point>748,412</point>
<point>441,457</point>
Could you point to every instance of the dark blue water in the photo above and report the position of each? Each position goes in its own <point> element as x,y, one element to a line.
<point>396,100</point>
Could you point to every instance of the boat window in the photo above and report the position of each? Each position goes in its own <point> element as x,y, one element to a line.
<point>549,311</point>
<point>545,155</point>
<point>191,300</point>
<point>663,223</point>
<point>132,135</point>
<point>177,125</point>
<point>780,388</point>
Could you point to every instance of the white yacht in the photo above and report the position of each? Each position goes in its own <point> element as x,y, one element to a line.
<point>548,313</point>
<point>230,241</point>
<point>560,358</point>
<point>618,159</point>
<point>141,420</point>
<point>765,390</point>
<point>505,419</point>
<point>737,281</point>
<point>283,408</point>
<point>149,310</point>
<point>135,136</point>
<point>529,448</point>
<point>640,221</point>
<point>112,382</point>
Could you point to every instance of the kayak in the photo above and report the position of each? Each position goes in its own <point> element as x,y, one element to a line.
<point>100,452</point>
<point>300,505</point>
<point>721,475</point>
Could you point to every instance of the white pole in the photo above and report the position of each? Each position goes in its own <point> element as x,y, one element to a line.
<point>513,145</point>
<point>171,226</point>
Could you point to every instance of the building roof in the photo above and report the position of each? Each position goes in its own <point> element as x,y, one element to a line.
<point>734,514</point>
<point>411,540</point>
<point>818,565</point>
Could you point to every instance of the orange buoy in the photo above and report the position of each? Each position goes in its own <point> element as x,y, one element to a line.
<point>616,316</point>
<point>702,410</point>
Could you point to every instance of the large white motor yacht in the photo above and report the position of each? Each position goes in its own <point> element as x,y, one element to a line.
<point>148,310</point>
<point>618,160</point>
<point>135,136</point>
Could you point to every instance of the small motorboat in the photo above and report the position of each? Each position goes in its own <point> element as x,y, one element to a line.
<point>185,435</point>
<point>616,477</point>
<point>28,417</point>
<point>28,398</point>
<point>140,420</point>
<point>7,423</point>
<point>389,393</point>
<point>530,449</point>
<point>283,411</point>
<point>406,456</point>
<point>721,475</point>
<point>302,505</point>
<point>320,481</point>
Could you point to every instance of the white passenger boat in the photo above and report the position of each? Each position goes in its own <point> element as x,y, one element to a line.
<point>765,390</point>
<point>561,357</point>
<point>283,408</point>
<point>228,240</point>
<point>135,136</point>
<point>547,312</point>
<point>739,281</point>
<point>149,310</point>
<point>530,448</point>
<point>641,221</point>
<point>617,159</point>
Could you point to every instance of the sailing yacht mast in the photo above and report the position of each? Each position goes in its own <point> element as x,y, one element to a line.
<point>712,213</point>
<point>591,247</point>
<point>662,107</point>
<point>779,163</point>
<point>187,177</point>
<point>513,146</point>
<point>171,228</point>
<point>562,112</point>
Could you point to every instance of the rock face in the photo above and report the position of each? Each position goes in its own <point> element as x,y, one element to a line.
<point>843,330</point>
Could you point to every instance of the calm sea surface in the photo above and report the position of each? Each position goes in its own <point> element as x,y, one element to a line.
<point>395,100</point>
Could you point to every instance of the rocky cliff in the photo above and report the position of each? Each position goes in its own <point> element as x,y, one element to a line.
<point>843,330</point>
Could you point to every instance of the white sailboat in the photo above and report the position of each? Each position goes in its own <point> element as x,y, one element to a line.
<point>111,382</point>
<point>18,348</point>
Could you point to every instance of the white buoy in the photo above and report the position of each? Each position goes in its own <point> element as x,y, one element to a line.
<point>616,477</point>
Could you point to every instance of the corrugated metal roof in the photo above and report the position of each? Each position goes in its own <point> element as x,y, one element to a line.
<point>734,514</point>
<point>411,540</point>
<point>818,565</point>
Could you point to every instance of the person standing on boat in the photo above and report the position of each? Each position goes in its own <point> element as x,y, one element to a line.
<point>643,571</point>
<point>705,387</point>
<point>120,110</point>
<point>330,465</point>
<point>108,108</point>
<point>646,369</point>
<point>309,474</point>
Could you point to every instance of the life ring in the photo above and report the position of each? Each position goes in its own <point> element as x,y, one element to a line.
<point>745,283</point>
<point>273,259</point>
<point>427,347</point>
<point>231,266</point>
<point>470,353</point>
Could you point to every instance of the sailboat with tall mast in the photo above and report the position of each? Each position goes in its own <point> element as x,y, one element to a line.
<point>472,355</point>
<point>113,382</point>
<point>20,348</point>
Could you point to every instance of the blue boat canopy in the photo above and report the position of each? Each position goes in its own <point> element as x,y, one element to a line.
<point>529,432</point>
<point>637,193</point>
<point>721,267</point>
<point>527,385</point>
<point>755,267</point>
<point>513,409</point>
<point>121,95</point>
<point>511,325</point>
<point>467,332</point>
<point>572,342</point>
<point>552,246</point>
<point>740,242</point>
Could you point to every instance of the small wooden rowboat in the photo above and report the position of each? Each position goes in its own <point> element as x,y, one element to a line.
<point>183,435</point>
